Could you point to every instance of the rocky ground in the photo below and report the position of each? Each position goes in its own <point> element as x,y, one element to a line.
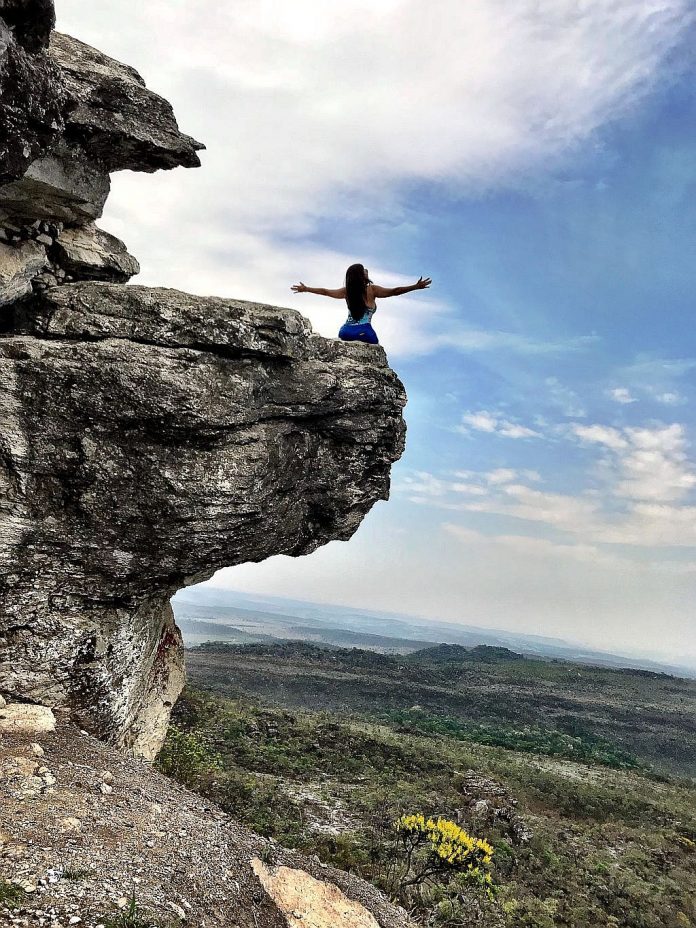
<point>85,830</point>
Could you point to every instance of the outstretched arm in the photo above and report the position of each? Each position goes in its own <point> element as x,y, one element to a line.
<point>420,284</point>
<point>322,291</point>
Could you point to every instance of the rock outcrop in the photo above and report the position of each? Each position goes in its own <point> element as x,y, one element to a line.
<point>70,115</point>
<point>143,137</point>
<point>147,437</point>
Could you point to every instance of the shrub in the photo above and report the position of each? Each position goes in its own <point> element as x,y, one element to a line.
<point>10,895</point>
<point>436,849</point>
<point>185,756</point>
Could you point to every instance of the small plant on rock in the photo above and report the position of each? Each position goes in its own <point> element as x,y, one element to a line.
<point>10,894</point>
<point>75,873</point>
<point>131,918</point>
<point>185,756</point>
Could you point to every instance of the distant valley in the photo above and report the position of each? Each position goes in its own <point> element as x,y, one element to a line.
<point>206,613</point>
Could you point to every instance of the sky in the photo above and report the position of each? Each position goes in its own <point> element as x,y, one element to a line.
<point>537,159</point>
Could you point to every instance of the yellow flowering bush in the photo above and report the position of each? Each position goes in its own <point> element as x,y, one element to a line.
<point>437,846</point>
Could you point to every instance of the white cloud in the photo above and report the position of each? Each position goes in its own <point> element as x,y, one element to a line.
<point>646,463</point>
<point>622,395</point>
<point>658,379</point>
<point>564,399</point>
<point>536,548</point>
<point>469,489</point>
<point>421,484</point>
<point>644,499</point>
<point>501,475</point>
<point>657,466</point>
<point>670,398</point>
<point>565,511</point>
<point>602,435</point>
<point>480,421</point>
<point>512,430</point>
<point>317,99</point>
<point>317,111</point>
<point>483,421</point>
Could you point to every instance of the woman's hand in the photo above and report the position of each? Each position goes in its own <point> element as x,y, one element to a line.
<point>299,288</point>
<point>423,282</point>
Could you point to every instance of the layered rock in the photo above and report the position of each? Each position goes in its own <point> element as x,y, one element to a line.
<point>147,437</point>
<point>69,115</point>
<point>150,438</point>
<point>143,137</point>
<point>88,253</point>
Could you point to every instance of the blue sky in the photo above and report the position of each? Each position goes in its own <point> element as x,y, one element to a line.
<point>538,161</point>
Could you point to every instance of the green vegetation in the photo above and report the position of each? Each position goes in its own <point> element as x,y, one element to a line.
<point>76,874</point>
<point>616,718</point>
<point>574,743</point>
<point>132,918</point>
<point>574,844</point>
<point>11,895</point>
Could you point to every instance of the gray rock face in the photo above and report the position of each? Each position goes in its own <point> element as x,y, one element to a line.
<point>88,253</point>
<point>18,267</point>
<point>31,91</point>
<point>70,115</point>
<point>113,116</point>
<point>63,185</point>
<point>147,437</point>
<point>151,437</point>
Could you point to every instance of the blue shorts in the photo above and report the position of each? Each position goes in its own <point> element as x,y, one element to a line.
<point>358,333</point>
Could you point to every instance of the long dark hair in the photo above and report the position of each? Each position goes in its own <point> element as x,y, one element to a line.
<point>356,290</point>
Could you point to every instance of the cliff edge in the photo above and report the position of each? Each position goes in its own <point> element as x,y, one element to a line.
<point>147,437</point>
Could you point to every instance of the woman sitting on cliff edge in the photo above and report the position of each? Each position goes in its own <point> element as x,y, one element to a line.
<point>360,294</point>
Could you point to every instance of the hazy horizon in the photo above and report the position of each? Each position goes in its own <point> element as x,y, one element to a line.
<point>675,661</point>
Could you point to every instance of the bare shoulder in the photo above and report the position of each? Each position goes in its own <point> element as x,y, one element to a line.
<point>374,291</point>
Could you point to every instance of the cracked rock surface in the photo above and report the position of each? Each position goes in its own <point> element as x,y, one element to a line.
<point>151,437</point>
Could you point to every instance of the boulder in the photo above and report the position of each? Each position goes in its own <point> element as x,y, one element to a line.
<point>18,718</point>
<point>89,253</point>
<point>304,900</point>
<point>149,437</point>
<point>113,116</point>
<point>18,266</point>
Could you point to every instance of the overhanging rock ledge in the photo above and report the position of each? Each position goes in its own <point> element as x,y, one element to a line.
<point>147,438</point>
